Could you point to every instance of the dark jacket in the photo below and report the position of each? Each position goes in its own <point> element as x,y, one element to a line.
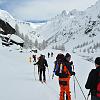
<point>92,81</point>
<point>42,63</point>
<point>68,65</point>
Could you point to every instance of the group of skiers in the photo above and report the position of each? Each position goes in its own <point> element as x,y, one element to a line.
<point>64,69</point>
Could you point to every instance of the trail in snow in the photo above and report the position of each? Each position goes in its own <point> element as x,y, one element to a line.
<point>17,77</point>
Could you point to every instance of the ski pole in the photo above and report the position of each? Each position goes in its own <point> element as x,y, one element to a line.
<point>74,84</point>
<point>52,75</point>
<point>34,73</point>
<point>48,73</point>
<point>80,88</point>
<point>74,87</point>
<point>88,95</point>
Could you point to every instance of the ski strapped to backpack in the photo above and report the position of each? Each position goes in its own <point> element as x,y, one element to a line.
<point>58,64</point>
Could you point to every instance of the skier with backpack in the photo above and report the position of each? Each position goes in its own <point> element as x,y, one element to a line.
<point>42,64</point>
<point>93,81</point>
<point>63,69</point>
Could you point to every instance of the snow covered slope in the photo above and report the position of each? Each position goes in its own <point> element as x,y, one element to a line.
<point>73,29</point>
<point>17,80</point>
<point>79,31</point>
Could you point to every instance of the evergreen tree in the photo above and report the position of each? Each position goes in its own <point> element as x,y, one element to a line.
<point>30,44</point>
<point>26,43</point>
<point>44,44</point>
<point>17,30</point>
<point>36,43</point>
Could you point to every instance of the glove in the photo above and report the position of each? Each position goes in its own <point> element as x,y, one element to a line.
<point>34,64</point>
<point>73,73</point>
<point>71,63</point>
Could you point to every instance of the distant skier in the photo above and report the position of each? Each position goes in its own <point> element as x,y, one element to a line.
<point>51,54</point>
<point>93,81</point>
<point>30,59</point>
<point>48,54</point>
<point>63,69</point>
<point>42,64</point>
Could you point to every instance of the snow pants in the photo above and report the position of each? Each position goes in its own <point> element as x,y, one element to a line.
<point>64,88</point>
<point>42,72</point>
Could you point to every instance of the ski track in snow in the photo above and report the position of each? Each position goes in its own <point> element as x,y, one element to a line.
<point>17,80</point>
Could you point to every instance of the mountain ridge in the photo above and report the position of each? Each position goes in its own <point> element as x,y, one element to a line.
<point>78,26</point>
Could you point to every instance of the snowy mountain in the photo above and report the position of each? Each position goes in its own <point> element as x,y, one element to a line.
<point>77,31</point>
<point>74,29</point>
<point>25,28</point>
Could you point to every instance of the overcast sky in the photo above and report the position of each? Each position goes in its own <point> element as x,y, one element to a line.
<point>42,9</point>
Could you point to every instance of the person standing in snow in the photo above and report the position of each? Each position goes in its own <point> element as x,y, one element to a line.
<point>66,88</point>
<point>51,54</point>
<point>48,54</point>
<point>42,64</point>
<point>93,81</point>
<point>63,69</point>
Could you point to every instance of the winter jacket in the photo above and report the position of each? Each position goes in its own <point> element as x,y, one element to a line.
<point>69,67</point>
<point>92,82</point>
<point>42,63</point>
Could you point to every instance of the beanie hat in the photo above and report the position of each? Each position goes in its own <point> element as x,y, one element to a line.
<point>67,55</point>
<point>60,57</point>
<point>97,61</point>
